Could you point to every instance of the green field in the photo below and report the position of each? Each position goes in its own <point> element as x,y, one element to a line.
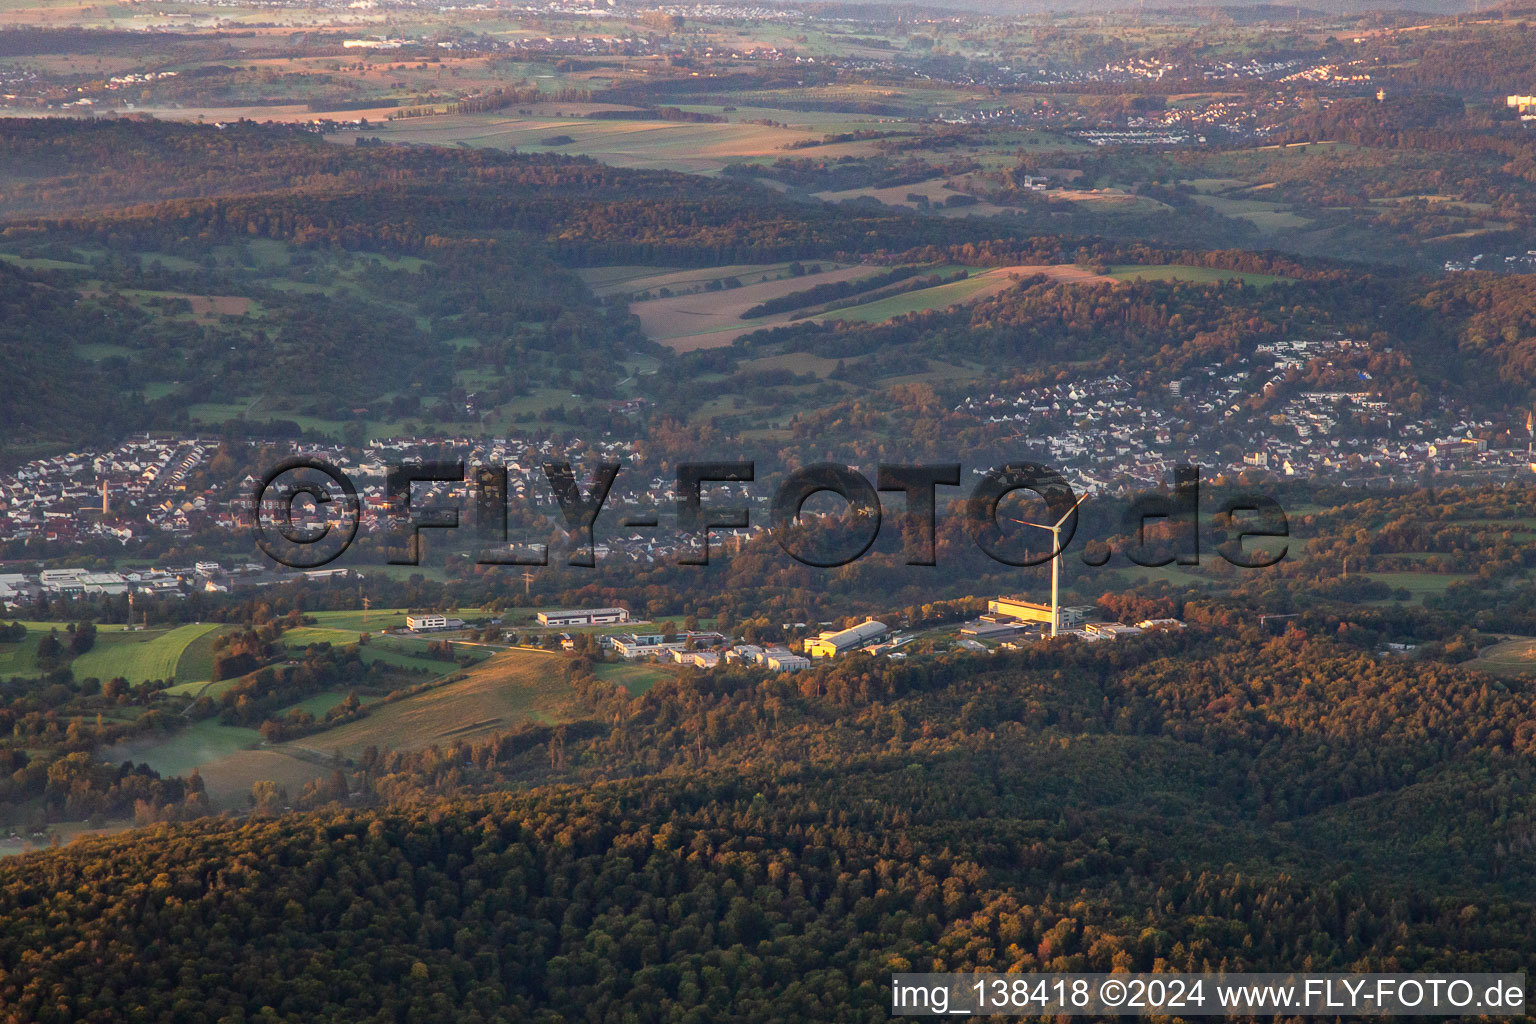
<point>1419,584</point>
<point>669,145</point>
<point>320,703</point>
<point>303,636</point>
<point>140,657</point>
<point>511,688</point>
<point>636,677</point>
<point>183,751</point>
<point>193,689</point>
<point>914,302</point>
<point>376,619</point>
<point>400,652</point>
<point>196,664</point>
<point>1261,214</point>
<point>1515,657</point>
<point>198,689</point>
<point>20,658</point>
<point>400,657</point>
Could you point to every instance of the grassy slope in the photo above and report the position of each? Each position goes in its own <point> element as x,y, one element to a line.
<point>508,689</point>
<point>139,657</point>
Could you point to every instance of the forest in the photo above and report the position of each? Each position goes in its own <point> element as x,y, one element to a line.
<point>759,848</point>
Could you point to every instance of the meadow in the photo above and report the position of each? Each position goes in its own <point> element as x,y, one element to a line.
<point>180,752</point>
<point>502,692</point>
<point>1515,656</point>
<point>507,690</point>
<point>403,652</point>
<point>20,658</point>
<point>649,145</point>
<point>711,319</point>
<point>1198,275</point>
<point>142,656</point>
<point>375,619</point>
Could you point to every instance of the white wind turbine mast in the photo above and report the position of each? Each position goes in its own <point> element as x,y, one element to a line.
<point>1056,554</point>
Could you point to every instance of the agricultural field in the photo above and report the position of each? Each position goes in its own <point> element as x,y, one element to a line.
<point>20,658</point>
<point>402,656</point>
<point>935,191</point>
<point>507,690</point>
<point>979,285</point>
<point>303,636</point>
<point>196,662</point>
<point>180,752</point>
<point>228,779</point>
<point>636,677</point>
<point>142,656</point>
<point>634,280</point>
<point>649,145</point>
<point>1132,272</point>
<point>710,319</point>
<point>1515,656</point>
<point>194,690</point>
<point>1105,200</point>
<point>1420,584</point>
<point>376,619</point>
<point>320,703</point>
<point>497,695</point>
<point>1262,214</point>
<point>407,653</point>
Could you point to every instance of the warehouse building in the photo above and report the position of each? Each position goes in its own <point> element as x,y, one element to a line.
<point>583,617</point>
<point>831,644</point>
<point>431,623</point>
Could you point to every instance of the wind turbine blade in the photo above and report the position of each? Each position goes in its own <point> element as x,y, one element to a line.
<point>1069,511</point>
<point>1025,522</point>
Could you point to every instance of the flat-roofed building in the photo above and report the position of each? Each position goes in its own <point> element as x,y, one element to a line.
<point>1110,630</point>
<point>584,617</point>
<point>982,629</point>
<point>431,623</point>
<point>645,645</point>
<point>1033,611</point>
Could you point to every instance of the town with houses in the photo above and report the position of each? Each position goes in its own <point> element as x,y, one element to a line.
<point>1174,125</point>
<point>1260,416</point>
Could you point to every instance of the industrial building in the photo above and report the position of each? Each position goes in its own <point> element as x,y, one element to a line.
<point>993,627</point>
<point>583,617</point>
<point>431,623</point>
<point>1110,630</point>
<point>832,643</point>
<point>630,646</point>
<point>1031,611</point>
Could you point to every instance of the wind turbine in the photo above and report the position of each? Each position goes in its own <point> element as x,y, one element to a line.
<point>1056,554</point>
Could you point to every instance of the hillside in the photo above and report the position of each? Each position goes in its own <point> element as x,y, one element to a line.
<point>1180,803</point>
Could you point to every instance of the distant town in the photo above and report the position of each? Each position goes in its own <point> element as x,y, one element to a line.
<point>1302,408</point>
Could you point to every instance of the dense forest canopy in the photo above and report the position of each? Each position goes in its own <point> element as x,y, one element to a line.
<point>792,842</point>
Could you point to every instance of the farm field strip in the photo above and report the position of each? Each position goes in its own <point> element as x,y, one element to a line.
<point>661,145</point>
<point>713,319</point>
<point>509,688</point>
<point>139,657</point>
